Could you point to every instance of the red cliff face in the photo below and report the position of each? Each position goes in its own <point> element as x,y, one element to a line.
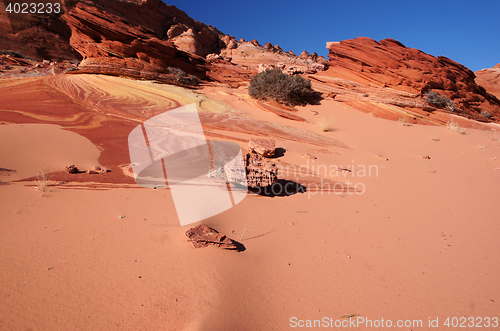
<point>132,38</point>
<point>141,38</point>
<point>390,64</point>
<point>490,79</point>
<point>123,48</point>
<point>149,39</point>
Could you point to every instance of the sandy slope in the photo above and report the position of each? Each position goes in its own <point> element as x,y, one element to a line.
<point>33,148</point>
<point>420,242</point>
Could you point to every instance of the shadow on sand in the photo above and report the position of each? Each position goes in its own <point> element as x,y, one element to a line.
<point>282,188</point>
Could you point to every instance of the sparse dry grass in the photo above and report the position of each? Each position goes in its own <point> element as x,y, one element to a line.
<point>453,126</point>
<point>433,136</point>
<point>42,179</point>
<point>244,231</point>
<point>494,137</point>
<point>325,125</point>
<point>403,121</point>
<point>430,169</point>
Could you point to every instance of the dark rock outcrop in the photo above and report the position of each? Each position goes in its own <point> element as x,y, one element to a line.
<point>72,169</point>
<point>260,172</point>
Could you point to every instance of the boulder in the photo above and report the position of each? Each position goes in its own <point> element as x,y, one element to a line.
<point>304,55</point>
<point>232,44</point>
<point>72,169</point>
<point>269,47</point>
<point>264,147</point>
<point>309,156</point>
<point>213,57</point>
<point>203,235</point>
<point>260,172</point>
<point>101,169</point>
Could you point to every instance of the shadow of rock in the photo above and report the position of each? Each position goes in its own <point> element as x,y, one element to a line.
<point>239,246</point>
<point>282,188</point>
<point>278,152</point>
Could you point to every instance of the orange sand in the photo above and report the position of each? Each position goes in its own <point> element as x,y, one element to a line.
<point>420,242</point>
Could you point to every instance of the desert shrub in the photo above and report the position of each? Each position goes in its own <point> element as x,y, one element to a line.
<point>486,114</point>
<point>440,101</point>
<point>182,77</point>
<point>12,53</point>
<point>275,84</point>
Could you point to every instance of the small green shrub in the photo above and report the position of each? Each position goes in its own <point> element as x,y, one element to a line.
<point>276,85</point>
<point>440,101</point>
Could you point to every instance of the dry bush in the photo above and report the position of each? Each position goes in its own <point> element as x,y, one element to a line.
<point>325,125</point>
<point>486,114</point>
<point>433,136</point>
<point>453,126</point>
<point>276,85</point>
<point>12,53</point>
<point>440,101</point>
<point>182,77</point>
<point>403,121</point>
<point>494,137</point>
<point>42,179</point>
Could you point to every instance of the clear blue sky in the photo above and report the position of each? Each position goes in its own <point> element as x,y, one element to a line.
<point>465,31</point>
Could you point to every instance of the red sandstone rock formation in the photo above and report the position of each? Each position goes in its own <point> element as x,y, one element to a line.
<point>132,38</point>
<point>263,147</point>
<point>254,57</point>
<point>490,79</point>
<point>260,172</point>
<point>145,38</point>
<point>390,64</point>
<point>30,32</point>
<point>124,48</point>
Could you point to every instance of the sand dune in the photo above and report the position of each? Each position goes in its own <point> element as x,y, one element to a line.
<point>417,238</point>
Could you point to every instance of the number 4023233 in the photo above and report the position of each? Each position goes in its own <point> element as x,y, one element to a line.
<point>33,8</point>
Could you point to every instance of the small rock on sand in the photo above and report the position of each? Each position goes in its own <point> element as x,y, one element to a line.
<point>309,156</point>
<point>203,236</point>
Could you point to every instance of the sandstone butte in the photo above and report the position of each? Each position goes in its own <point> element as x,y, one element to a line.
<point>147,38</point>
